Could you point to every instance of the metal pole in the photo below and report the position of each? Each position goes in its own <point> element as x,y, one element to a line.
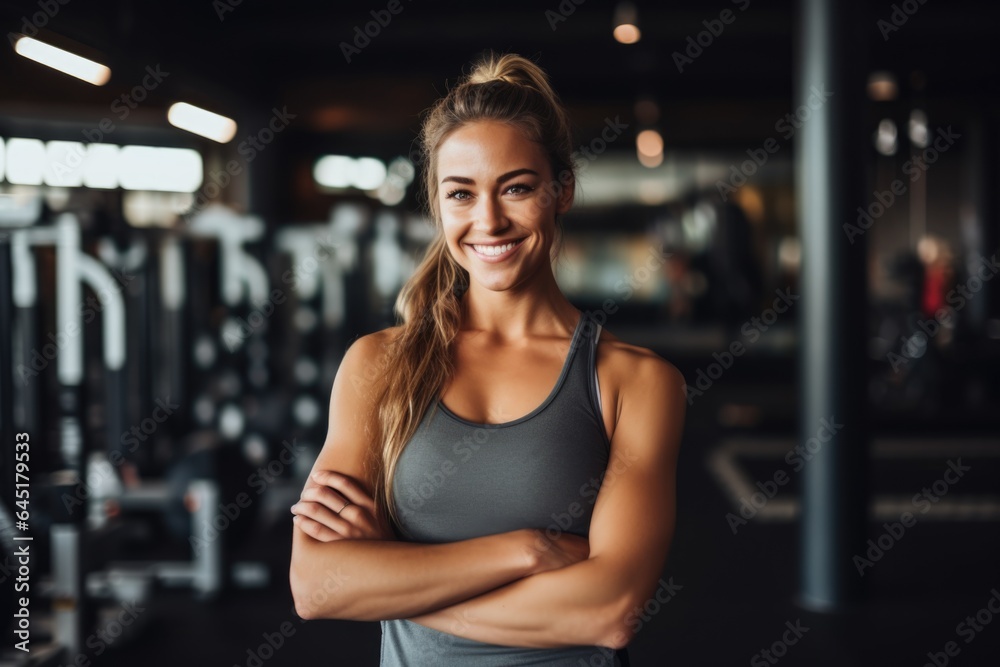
<point>833,361</point>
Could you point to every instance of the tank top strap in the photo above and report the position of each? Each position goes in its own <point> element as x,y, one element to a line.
<point>581,380</point>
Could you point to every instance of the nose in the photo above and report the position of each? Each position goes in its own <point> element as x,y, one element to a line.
<point>489,216</point>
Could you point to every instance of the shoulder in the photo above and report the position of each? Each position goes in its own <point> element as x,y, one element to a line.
<point>367,356</point>
<point>640,375</point>
<point>369,346</point>
<point>374,341</point>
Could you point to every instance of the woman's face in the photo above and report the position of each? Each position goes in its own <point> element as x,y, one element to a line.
<point>498,201</point>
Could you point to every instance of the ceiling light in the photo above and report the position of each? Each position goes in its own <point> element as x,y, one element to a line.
<point>25,161</point>
<point>202,122</point>
<point>649,142</point>
<point>334,171</point>
<point>626,28</point>
<point>882,86</point>
<point>918,128</point>
<point>64,61</point>
<point>369,173</point>
<point>160,169</point>
<point>885,137</point>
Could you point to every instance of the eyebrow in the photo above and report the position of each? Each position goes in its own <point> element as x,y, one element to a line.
<point>503,177</point>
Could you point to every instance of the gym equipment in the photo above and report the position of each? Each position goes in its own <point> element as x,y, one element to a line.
<point>321,256</point>
<point>209,351</point>
<point>84,492</point>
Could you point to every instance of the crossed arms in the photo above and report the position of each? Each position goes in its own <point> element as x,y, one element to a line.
<point>507,589</point>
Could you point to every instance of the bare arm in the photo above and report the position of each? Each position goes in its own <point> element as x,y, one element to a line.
<point>371,580</point>
<point>375,579</point>
<point>592,602</point>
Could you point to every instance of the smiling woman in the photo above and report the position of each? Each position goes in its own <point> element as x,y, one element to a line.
<point>498,228</point>
<point>461,497</point>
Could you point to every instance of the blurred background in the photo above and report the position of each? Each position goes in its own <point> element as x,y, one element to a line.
<point>203,203</point>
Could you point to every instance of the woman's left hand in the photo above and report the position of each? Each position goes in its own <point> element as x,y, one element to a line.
<point>333,506</point>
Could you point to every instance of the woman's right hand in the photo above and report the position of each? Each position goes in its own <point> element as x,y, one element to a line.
<point>551,553</point>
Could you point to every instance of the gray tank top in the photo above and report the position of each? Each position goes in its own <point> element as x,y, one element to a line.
<point>457,480</point>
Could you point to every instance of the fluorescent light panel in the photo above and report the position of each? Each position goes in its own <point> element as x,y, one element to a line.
<point>106,166</point>
<point>343,171</point>
<point>25,161</point>
<point>159,169</point>
<point>62,60</point>
<point>202,122</point>
<point>64,162</point>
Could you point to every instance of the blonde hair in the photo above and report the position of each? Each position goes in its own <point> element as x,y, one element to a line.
<point>418,362</point>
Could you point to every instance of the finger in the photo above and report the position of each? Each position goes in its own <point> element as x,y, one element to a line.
<point>315,529</point>
<point>335,501</point>
<point>347,486</point>
<point>322,514</point>
<point>332,499</point>
<point>358,526</point>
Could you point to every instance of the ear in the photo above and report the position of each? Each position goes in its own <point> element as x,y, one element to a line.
<point>565,200</point>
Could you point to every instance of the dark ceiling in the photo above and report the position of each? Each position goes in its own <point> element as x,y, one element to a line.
<point>242,58</point>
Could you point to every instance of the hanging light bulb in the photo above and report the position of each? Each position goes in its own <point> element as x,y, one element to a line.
<point>649,148</point>
<point>626,29</point>
<point>918,128</point>
<point>882,86</point>
<point>885,137</point>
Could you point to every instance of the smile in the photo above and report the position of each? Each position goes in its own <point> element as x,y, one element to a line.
<point>495,253</point>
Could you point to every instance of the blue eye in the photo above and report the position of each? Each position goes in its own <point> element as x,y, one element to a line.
<point>453,195</point>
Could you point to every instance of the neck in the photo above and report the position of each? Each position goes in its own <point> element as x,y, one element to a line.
<point>538,308</point>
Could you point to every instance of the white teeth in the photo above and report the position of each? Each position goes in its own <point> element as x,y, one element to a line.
<point>493,250</point>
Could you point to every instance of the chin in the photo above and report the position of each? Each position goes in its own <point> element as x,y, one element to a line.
<point>494,285</point>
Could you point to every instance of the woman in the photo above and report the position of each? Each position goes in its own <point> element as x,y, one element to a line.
<point>520,502</point>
